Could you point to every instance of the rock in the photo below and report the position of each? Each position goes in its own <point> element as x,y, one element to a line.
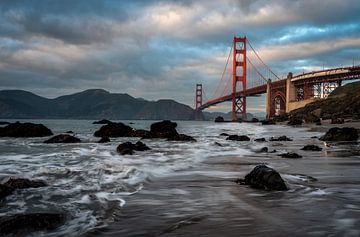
<point>128,148</point>
<point>254,120</point>
<point>281,138</point>
<point>104,140</point>
<point>260,140</point>
<point>63,138</point>
<point>295,121</point>
<point>19,183</point>
<point>5,191</point>
<point>264,149</point>
<point>263,177</point>
<point>340,134</point>
<point>238,138</point>
<point>218,144</point>
<point>268,122</point>
<point>103,121</point>
<point>182,137</point>
<point>163,129</point>
<point>114,130</point>
<point>141,133</point>
<point>219,119</point>
<point>23,224</point>
<point>337,120</point>
<point>69,132</point>
<point>25,130</point>
<point>311,148</point>
<point>4,123</point>
<point>224,134</point>
<point>291,155</point>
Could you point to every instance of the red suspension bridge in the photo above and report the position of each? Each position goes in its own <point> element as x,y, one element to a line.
<point>246,74</point>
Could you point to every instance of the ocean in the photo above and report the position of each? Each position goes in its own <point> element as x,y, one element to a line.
<point>185,188</point>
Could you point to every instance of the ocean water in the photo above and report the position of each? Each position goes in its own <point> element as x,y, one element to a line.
<point>182,188</point>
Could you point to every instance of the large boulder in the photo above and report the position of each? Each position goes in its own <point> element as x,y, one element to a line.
<point>23,224</point>
<point>114,130</point>
<point>25,130</point>
<point>103,121</point>
<point>238,138</point>
<point>263,177</point>
<point>219,119</point>
<point>340,134</point>
<point>63,138</point>
<point>128,148</point>
<point>163,129</point>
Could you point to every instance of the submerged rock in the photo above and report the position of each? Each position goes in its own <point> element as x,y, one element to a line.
<point>114,130</point>
<point>182,137</point>
<point>238,138</point>
<point>224,134</point>
<point>103,121</point>
<point>260,140</point>
<point>268,122</point>
<point>128,148</point>
<point>263,177</point>
<point>281,138</point>
<point>63,138</point>
<point>291,155</point>
<point>25,130</point>
<point>340,134</point>
<point>23,224</point>
<point>311,148</point>
<point>104,140</point>
<point>219,119</point>
<point>12,184</point>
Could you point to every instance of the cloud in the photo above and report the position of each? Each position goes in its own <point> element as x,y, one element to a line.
<point>161,49</point>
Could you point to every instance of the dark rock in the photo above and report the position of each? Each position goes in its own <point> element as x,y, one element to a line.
<point>114,130</point>
<point>238,138</point>
<point>340,134</point>
<point>104,140</point>
<point>254,120</point>
<point>4,123</point>
<point>224,134</point>
<point>128,148</point>
<point>63,138</point>
<point>182,137</point>
<point>5,191</point>
<point>263,177</point>
<point>20,183</point>
<point>219,119</point>
<point>218,144</point>
<point>103,121</point>
<point>163,129</point>
<point>314,137</point>
<point>281,118</point>
<point>281,138</point>
<point>23,224</point>
<point>311,148</point>
<point>295,121</point>
<point>141,133</point>
<point>25,130</point>
<point>268,122</point>
<point>337,120</point>
<point>291,155</point>
<point>260,140</point>
<point>69,132</point>
<point>264,149</point>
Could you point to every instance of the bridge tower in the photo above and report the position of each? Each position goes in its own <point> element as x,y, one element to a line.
<point>198,102</point>
<point>239,75</point>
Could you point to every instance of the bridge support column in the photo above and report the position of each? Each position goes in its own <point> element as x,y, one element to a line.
<point>268,98</point>
<point>239,75</point>
<point>198,102</point>
<point>290,92</point>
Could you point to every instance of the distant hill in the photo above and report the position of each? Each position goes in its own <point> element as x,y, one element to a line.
<point>89,104</point>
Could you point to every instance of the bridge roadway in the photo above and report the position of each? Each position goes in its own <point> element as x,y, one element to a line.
<point>328,75</point>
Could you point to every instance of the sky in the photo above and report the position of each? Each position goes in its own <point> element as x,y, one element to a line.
<point>161,49</point>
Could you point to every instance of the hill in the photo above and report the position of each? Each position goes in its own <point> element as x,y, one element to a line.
<point>89,104</point>
<point>343,102</point>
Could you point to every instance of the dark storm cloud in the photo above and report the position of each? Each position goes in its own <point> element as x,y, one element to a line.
<point>161,49</point>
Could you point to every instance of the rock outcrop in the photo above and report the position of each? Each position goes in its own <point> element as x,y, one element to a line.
<point>340,134</point>
<point>25,130</point>
<point>238,138</point>
<point>264,177</point>
<point>63,138</point>
<point>128,148</point>
<point>12,184</point>
<point>114,130</point>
